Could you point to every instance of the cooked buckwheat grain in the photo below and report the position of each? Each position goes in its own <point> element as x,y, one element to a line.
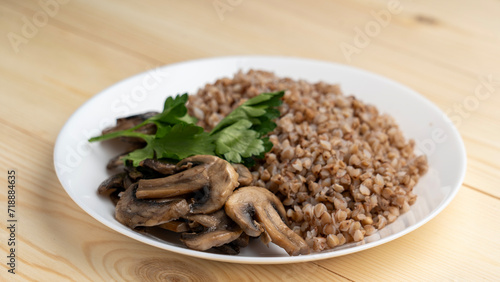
<point>342,169</point>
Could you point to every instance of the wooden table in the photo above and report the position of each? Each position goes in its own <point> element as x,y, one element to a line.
<point>57,54</point>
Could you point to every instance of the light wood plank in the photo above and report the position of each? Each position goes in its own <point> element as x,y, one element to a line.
<point>56,72</point>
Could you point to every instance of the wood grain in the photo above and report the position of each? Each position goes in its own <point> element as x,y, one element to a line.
<point>442,49</point>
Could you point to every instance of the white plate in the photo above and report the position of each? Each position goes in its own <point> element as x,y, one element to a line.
<point>80,166</point>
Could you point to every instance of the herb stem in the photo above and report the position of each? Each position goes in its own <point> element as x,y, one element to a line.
<point>127,133</point>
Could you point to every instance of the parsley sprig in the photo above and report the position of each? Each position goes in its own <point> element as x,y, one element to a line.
<point>238,138</point>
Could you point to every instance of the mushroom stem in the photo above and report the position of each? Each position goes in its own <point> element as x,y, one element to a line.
<point>257,210</point>
<point>212,178</point>
<point>280,233</point>
<point>181,183</point>
<point>217,219</point>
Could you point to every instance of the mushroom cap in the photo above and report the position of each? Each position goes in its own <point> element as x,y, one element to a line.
<point>241,207</point>
<point>113,183</point>
<point>134,212</point>
<point>218,230</point>
<point>221,177</point>
<point>245,177</point>
<point>223,181</point>
<point>257,210</point>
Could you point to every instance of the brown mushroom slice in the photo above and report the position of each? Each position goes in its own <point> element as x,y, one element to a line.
<point>181,183</point>
<point>245,177</point>
<point>133,173</point>
<point>210,239</point>
<point>175,226</point>
<point>127,181</point>
<point>212,180</point>
<point>217,219</point>
<point>134,212</point>
<point>242,241</point>
<point>223,180</point>
<point>203,220</point>
<point>113,183</point>
<point>233,248</point>
<point>228,249</point>
<point>159,166</point>
<point>258,210</point>
<point>113,186</point>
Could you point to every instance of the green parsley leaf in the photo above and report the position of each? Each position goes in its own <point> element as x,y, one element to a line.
<point>260,110</point>
<point>174,111</point>
<point>175,142</point>
<point>238,141</point>
<point>238,138</point>
<point>239,135</point>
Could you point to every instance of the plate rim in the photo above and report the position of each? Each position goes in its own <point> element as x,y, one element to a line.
<point>273,260</point>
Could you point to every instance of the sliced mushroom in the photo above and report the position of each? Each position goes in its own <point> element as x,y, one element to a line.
<point>242,241</point>
<point>177,226</point>
<point>210,239</point>
<point>127,181</point>
<point>159,166</point>
<point>113,183</point>
<point>217,219</point>
<point>258,210</point>
<point>134,212</point>
<point>228,249</point>
<point>181,183</point>
<point>113,186</point>
<point>245,177</point>
<point>114,197</point>
<point>211,179</point>
<point>223,181</point>
<point>133,173</point>
<point>233,248</point>
<point>217,231</point>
